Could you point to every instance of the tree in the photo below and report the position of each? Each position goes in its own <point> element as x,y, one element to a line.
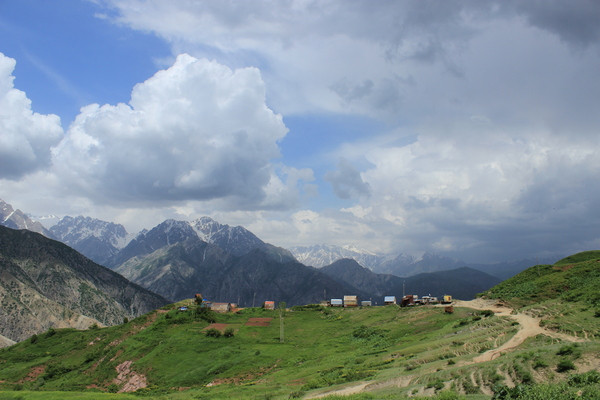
<point>281,307</point>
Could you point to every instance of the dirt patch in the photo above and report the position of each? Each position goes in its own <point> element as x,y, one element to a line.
<point>259,321</point>
<point>130,380</point>
<point>220,327</point>
<point>33,374</point>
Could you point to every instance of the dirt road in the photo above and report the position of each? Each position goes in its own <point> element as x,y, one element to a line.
<point>529,327</point>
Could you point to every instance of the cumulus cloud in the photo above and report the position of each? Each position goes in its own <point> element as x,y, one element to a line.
<point>25,137</point>
<point>195,131</point>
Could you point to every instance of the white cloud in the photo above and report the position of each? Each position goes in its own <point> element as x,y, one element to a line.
<point>196,131</point>
<point>25,137</point>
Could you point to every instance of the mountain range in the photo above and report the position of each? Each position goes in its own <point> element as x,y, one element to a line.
<point>109,244</point>
<point>176,260</point>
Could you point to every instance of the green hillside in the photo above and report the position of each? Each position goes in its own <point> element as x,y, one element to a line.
<point>574,278</point>
<point>377,352</point>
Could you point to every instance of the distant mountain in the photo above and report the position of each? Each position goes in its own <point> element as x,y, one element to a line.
<point>16,219</point>
<point>462,283</point>
<point>350,272</point>
<point>403,264</point>
<point>45,283</point>
<point>321,255</point>
<point>164,234</point>
<point>234,240</point>
<point>182,269</point>
<point>97,240</point>
<point>409,265</point>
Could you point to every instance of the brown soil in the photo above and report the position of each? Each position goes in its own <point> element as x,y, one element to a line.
<point>130,380</point>
<point>220,327</point>
<point>259,321</point>
<point>33,374</point>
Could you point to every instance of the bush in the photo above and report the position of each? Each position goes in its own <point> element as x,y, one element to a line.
<point>51,332</point>
<point>565,365</point>
<point>33,339</point>
<point>588,378</point>
<point>366,332</point>
<point>228,332</point>
<point>539,363</point>
<point>212,332</point>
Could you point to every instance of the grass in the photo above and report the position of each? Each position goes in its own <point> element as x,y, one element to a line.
<point>429,351</point>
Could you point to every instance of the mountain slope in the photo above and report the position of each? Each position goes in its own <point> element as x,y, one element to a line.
<point>236,240</point>
<point>97,240</point>
<point>575,278</point>
<point>181,270</point>
<point>44,283</point>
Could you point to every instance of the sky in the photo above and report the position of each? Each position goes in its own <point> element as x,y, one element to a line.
<point>465,128</point>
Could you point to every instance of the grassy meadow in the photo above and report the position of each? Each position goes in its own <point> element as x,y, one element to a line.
<point>389,352</point>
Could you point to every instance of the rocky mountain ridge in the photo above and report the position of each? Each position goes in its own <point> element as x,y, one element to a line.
<point>180,270</point>
<point>45,283</point>
<point>98,240</point>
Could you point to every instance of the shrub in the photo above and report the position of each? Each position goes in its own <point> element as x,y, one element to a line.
<point>296,395</point>
<point>51,332</point>
<point>588,378</point>
<point>565,365</point>
<point>212,332</point>
<point>228,332</point>
<point>451,362</point>
<point>565,350</point>
<point>597,314</point>
<point>366,332</point>
<point>539,363</point>
<point>34,338</point>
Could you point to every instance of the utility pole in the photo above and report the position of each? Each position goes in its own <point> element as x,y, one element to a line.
<point>281,306</point>
<point>253,299</point>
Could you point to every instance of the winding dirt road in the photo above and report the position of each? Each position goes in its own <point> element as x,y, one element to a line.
<point>528,325</point>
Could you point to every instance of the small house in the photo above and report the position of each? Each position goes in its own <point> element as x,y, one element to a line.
<point>337,303</point>
<point>408,300</point>
<point>366,303</point>
<point>388,300</point>
<point>269,305</point>
<point>351,301</point>
<point>221,308</point>
<point>183,308</point>
<point>447,299</point>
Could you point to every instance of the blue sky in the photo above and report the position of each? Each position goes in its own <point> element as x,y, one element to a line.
<point>464,128</point>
